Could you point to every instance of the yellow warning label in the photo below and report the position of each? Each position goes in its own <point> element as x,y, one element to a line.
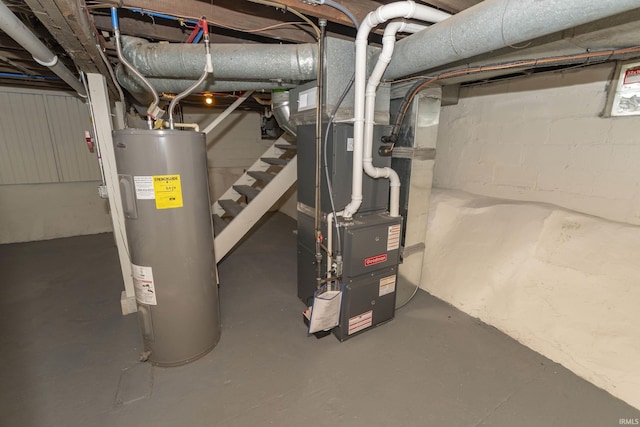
<point>168,191</point>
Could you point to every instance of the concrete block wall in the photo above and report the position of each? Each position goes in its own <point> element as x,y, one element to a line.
<point>540,274</point>
<point>543,139</point>
<point>557,281</point>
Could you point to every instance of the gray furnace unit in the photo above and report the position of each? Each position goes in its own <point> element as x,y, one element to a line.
<point>165,197</point>
<point>370,241</point>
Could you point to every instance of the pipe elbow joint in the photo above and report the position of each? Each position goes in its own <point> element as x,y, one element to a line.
<point>53,61</point>
<point>412,9</point>
<point>352,207</point>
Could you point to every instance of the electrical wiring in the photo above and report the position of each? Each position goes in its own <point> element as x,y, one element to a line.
<point>193,21</point>
<point>522,63</point>
<point>291,10</point>
<point>330,124</point>
<point>269,27</point>
<point>100,49</point>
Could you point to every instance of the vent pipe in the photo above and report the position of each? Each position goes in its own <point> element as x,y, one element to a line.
<point>492,25</point>
<point>282,111</point>
<point>14,28</point>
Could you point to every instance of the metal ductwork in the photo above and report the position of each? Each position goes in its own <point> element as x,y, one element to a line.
<point>14,28</point>
<point>492,25</point>
<point>482,29</point>
<point>173,67</point>
<point>171,85</point>
<point>281,111</point>
<point>294,62</point>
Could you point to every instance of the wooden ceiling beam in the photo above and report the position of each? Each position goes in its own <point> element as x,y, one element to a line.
<point>359,8</point>
<point>69,24</point>
<point>149,30</point>
<point>451,6</point>
<point>230,14</point>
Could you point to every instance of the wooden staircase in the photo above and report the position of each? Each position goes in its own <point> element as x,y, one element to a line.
<point>252,195</point>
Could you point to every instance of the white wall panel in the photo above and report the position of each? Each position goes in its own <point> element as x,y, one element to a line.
<point>25,143</point>
<point>42,138</point>
<point>68,119</point>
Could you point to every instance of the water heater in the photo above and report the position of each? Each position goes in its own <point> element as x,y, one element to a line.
<point>165,197</point>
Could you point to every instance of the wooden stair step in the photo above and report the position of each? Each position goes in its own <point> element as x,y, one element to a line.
<point>246,190</point>
<point>230,207</point>
<point>261,176</point>
<point>274,161</point>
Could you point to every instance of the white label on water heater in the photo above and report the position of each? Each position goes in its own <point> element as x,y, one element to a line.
<point>144,187</point>
<point>143,284</point>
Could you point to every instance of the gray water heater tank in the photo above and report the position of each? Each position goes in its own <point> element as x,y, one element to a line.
<point>165,197</point>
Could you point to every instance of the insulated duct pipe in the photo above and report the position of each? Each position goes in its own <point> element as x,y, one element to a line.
<point>142,95</point>
<point>14,28</point>
<point>407,10</point>
<point>294,62</point>
<point>495,24</point>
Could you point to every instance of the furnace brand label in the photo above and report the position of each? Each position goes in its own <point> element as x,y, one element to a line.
<point>375,260</point>
<point>144,187</point>
<point>393,237</point>
<point>143,284</point>
<point>168,191</point>
<point>387,285</point>
<point>360,322</point>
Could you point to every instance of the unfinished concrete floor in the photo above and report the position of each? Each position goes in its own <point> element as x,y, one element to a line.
<point>68,358</point>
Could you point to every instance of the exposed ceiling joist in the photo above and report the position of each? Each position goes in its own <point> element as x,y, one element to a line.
<point>70,26</point>
<point>452,6</point>
<point>149,30</point>
<point>234,15</point>
<point>359,8</point>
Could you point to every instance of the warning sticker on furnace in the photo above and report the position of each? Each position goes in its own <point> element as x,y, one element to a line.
<point>387,285</point>
<point>393,237</point>
<point>143,284</point>
<point>360,322</point>
<point>168,191</point>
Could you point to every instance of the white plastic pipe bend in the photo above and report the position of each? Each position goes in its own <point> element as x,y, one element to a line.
<point>388,43</point>
<point>406,9</point>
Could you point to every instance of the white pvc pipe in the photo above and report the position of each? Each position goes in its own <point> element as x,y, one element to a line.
<point>388,43</point>
<point>329,242</point>
<point>405,9</point>
<point>11,25</point>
